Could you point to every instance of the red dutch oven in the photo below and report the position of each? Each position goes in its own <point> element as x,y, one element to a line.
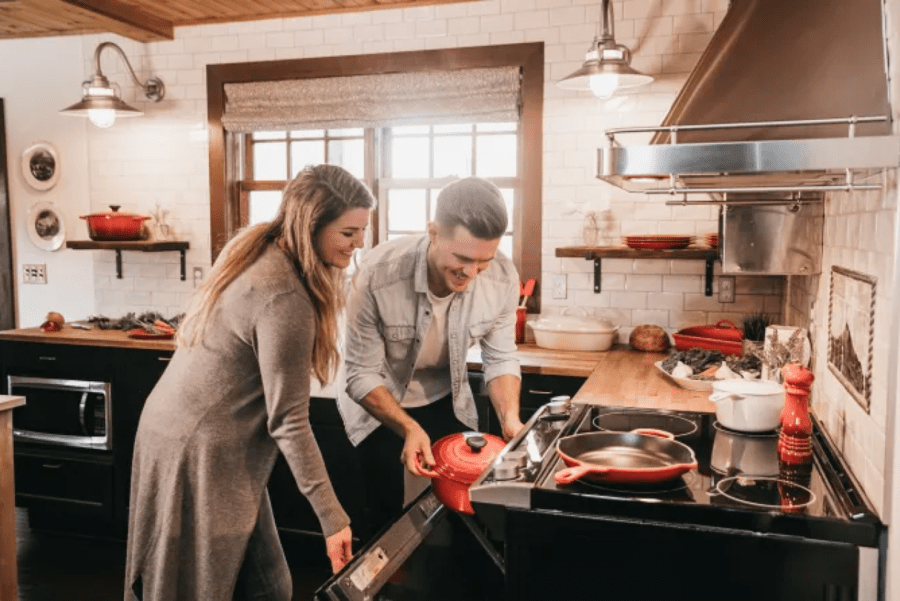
<point>115,225</point>
<point>459,460</point>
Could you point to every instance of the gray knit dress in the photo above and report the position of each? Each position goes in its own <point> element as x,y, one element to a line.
<point>209,435</point>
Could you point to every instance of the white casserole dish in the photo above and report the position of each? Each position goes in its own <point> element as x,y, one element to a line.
<point>748,405</point>
<point>570,333</point>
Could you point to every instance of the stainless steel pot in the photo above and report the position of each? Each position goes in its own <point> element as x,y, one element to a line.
<point>735,453</point>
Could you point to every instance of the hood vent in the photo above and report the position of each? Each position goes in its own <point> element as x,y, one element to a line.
<point>788,97</point>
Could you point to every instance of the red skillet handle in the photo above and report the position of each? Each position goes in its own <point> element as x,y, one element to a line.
<point>571,474</point>
<point>654,432</point>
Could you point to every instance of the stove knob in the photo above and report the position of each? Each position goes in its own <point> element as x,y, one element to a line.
<point>520,458</point>
<point>506,470</point>
<point>559,405</point>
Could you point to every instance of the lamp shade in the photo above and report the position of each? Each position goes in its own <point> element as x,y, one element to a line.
<point>605,70</point>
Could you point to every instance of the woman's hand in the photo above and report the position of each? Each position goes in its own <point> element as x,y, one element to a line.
<point>339,548</point>
<point>416,455</point>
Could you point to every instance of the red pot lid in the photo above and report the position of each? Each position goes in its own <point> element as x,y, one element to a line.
<point>462,457</point>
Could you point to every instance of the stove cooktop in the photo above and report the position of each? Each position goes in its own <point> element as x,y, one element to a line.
<point>739,482</point>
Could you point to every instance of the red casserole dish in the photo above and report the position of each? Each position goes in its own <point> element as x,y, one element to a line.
<point>724,337</point>
<point>114,225</point>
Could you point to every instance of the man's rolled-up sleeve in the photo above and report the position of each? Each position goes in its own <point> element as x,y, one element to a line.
<point>498,346</point>
<point>364,346</point>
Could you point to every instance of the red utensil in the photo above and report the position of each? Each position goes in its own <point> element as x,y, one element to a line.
<point>527,290</point>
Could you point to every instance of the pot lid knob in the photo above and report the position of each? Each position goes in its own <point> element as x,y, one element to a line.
<point>115,207</point>
<point>476,442</point>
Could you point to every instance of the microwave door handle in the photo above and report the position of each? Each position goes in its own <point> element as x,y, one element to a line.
<point>81,409</point>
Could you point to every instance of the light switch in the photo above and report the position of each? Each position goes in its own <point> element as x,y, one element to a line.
<point>559,285</point>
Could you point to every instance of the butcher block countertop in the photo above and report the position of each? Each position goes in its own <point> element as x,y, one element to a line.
<point>92,337</point>
<point>619,377</point>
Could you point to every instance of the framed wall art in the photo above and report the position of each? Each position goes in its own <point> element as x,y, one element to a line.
<point>46,226</point>
<point>851,331</point>
<point>40,166</point>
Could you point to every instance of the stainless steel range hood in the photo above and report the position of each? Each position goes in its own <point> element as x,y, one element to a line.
<point>789,95</point>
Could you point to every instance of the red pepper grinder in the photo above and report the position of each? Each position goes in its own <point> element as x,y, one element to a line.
<point>794,445</point>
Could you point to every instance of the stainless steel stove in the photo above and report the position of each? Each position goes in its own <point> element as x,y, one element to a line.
<point>750,525</point>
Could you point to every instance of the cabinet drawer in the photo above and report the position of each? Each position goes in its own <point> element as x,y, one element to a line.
<point>45,480</point>
<point>56,360</point>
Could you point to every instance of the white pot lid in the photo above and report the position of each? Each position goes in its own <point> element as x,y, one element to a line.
<point>569,323</point>
<point>758,387</point>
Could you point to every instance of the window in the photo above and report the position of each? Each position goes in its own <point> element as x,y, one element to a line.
<point>405,165</point>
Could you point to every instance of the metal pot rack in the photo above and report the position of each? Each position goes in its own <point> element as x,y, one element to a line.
<point>760,166</point>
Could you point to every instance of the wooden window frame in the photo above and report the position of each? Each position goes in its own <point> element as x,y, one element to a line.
<point>225,197</point>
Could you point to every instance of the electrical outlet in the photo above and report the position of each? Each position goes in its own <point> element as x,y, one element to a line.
<point>726,289</point>
<point>198,276</point>
<point>559,285</point>
<point>34,274</point>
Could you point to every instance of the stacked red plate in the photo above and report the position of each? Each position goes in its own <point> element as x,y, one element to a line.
<point>712,240</point>
<point>658,242</point>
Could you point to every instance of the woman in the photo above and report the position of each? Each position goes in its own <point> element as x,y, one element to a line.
<point>235,393</point>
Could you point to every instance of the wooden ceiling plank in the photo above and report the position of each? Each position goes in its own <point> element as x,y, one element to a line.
<point>125,17</point>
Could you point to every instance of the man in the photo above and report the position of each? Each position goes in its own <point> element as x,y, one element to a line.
<point>418,304</point>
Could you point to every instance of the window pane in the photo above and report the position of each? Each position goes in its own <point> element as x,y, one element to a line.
<point>270,161</point>
<point>508,197</point>
<point>406,210</point>
<point>453,129</point>
<point>349,154</point>
<point>269,135</point>
<point>506,245</point>
<point>480,127</point>
<point>452,156</point>
<point>306,153</point>
<point>432,205</point>
<point>264,205</point>
<point>404,130</point>
<point>308,133</point>
<point>410,157</point>
<point>496,156</point>
<point>356,132</point>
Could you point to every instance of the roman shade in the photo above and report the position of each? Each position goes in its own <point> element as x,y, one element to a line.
<point>409,98</point>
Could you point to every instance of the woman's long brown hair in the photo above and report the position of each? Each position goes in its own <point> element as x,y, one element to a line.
<point>316,197</point>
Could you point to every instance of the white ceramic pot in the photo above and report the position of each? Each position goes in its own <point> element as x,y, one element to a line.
<point>748,405</point>
<point>570,333</point>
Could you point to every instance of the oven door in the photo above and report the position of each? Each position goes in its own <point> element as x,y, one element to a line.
<point>73,413</point>
<point>429,552</point>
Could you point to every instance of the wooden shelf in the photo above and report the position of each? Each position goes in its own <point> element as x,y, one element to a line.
<point>623,252</point>
<point>595,253</point>
<point>147,246</point>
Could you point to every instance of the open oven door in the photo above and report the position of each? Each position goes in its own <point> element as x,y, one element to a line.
<point>429,552</point>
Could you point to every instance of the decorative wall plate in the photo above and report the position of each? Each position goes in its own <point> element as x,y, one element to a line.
<point>46,226</point>
<point>40,165</point>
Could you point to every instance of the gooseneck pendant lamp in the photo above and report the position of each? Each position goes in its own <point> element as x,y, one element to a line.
<point>101,101</point>
<point>607,65</point>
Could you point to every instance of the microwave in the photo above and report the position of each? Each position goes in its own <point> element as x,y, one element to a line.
<point>73,413</point>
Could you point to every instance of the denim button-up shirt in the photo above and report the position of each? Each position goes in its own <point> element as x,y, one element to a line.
<point>389,313</point>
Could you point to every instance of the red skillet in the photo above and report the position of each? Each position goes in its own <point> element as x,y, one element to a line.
<point>641,456</point>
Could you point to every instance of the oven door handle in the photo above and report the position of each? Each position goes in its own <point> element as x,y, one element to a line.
<point>82,406</point>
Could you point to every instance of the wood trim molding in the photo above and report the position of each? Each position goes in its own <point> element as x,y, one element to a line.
<point>7,271</point>
<point>127,20</point>
<point>528,56</point>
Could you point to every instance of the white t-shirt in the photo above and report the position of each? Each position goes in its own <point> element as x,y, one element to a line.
<point>431,377</point>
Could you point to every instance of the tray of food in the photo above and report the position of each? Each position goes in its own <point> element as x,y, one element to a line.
<point>697,369</point>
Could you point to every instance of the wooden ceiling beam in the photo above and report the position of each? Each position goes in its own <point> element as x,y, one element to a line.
<point>127,20</point>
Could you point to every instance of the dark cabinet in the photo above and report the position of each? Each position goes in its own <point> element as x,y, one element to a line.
<point>71,488</point>
<point>293,513</point>
<point>536,390</point>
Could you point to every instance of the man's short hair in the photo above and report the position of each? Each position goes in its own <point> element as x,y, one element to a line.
<point>474,203</point>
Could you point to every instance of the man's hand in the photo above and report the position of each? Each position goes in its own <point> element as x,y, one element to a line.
<point>416,455</point>
<point>339,548</point>
<point>511,427</point>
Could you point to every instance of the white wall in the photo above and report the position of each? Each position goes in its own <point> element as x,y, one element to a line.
<point>37,79</point>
